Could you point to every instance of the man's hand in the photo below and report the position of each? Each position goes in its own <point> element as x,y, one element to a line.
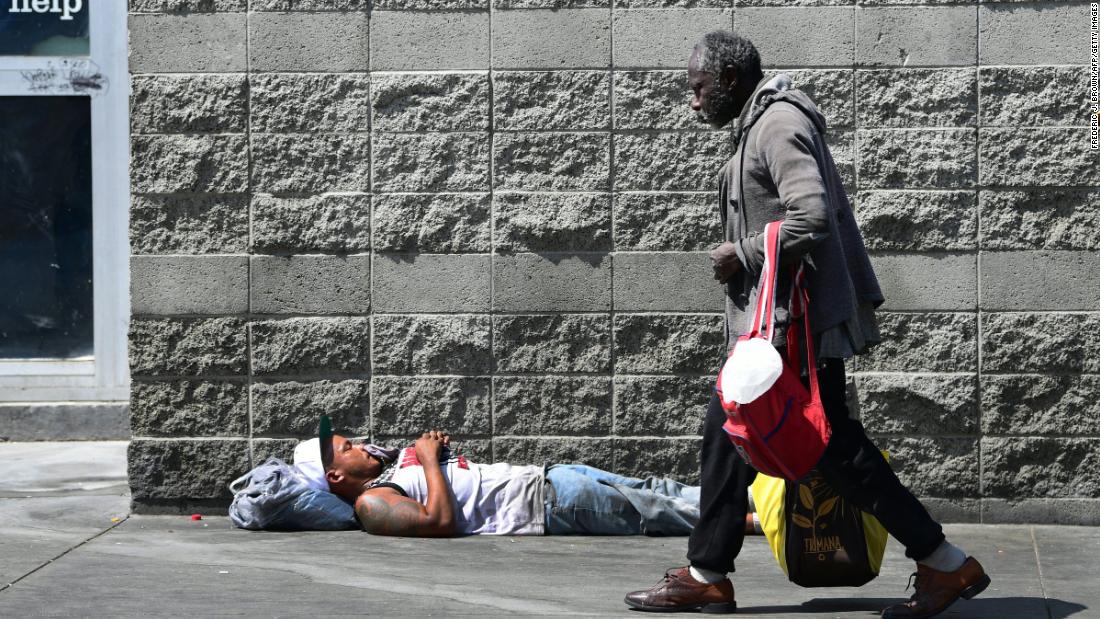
<point>430,445</point>
<point>725,262</point>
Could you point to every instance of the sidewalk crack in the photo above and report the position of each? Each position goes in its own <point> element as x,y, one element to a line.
<point>97,535</point>
<point>1039,568</point>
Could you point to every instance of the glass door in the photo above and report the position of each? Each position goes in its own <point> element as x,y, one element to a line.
<point>64,195</point>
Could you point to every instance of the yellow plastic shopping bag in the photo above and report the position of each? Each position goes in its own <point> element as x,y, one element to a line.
<point>819,539</point>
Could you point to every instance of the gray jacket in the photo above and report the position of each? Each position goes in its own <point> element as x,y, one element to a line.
<point>788,173</point>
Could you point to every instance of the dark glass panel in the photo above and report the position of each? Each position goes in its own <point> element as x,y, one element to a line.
<point>45,227</point>
<point>44,27</point>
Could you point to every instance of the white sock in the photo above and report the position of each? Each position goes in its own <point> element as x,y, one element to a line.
<point>945,558</point>
<point>707,576</point>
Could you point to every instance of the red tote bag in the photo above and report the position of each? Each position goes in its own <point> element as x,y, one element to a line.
<point>779,428</point>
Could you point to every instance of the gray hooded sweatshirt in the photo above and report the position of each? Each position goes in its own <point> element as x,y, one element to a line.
<point>783,170</point>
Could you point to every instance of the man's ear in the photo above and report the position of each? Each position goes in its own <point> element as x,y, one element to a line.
<point>334,476</point>
<point>728,78</point>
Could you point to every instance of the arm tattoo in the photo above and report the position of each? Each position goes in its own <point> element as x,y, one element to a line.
<point>380,517</point>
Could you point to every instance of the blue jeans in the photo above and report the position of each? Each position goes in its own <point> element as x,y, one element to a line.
<point>584,500</point>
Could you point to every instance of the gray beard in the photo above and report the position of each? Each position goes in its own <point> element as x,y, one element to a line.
<point>717,109</point>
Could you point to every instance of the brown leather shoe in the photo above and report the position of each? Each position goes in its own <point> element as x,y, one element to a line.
<point>679,592</point>
<point>936,590</point>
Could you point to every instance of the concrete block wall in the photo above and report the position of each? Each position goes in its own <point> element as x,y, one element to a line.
<point>493,216</point>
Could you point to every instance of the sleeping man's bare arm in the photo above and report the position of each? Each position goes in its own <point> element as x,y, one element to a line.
<point>384,511</point>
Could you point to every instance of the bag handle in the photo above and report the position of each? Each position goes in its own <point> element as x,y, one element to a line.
<point>800,308</point>
<point>763,319</point>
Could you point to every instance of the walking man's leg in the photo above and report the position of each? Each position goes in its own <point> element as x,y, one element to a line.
<point>716,538</point>
<point>856,469</point>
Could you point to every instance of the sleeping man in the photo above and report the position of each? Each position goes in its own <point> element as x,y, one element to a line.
<point>428,490</point>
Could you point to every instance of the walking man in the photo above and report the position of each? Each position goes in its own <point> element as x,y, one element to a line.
<point>782,170</point>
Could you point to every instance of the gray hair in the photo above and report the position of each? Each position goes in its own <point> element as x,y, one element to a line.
<point>721,49</point>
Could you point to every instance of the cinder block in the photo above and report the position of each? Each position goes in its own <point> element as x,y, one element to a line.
<point>1017,468</point>
<point>1040,280</point>
<point>1027,34</point>
<point>677,458</point>
<point>552,282</point>
<point>168,285</point>
<point>924,404</point>
<point>812,36</point>
<point>185,469</point>
<point>554,405</point>
<point>842,146</point>
<point>675,4</point>
<point>557,39</point>
<point>935,466</point>
<point>302,346</point>
<point>189,408</point>
<point>407,40</point>
<point>188,347</point>
<point>430,101</point>
<point>662,406</point>
<point>954,510</point>
<point>552,222</point>
<point>310,284</point>
<point>304,103</point>
<point>308,41</point>
<point>917,158</point>
<point>550,4</point>
<point>292,408</point>
<point>666,282</point>
<point>330,223</point>
<point>535,343</point>
<point>551,161</point>
<point>1040,342</point>
<point>924,342</point>
<point>648,38</point>
<point>1040,219</point>
<point>1043,156</point>
<point>669,344</point>
<point>832,90</point>
<point>1083,512</point>
<point>431,344</point>
<point>188,6</point>
<point>591,451</point>
<point>671,161</point>
<point>928,281</point>
<point>431,283</point>
<point>435,223</point>
<point>189,224</point>
<point>917,36</point>
<point>653,100</point>
<point>406,162</point>
<point>918,220</point>
<point>428,5</point>
<point>281,448</point>
<point>193,103</point>
<point>917,97</point>
<point>189,163</point>
<point>1015,96</point>
<point>541,100</point>
<point>1040,405</point>
<point>666,222</point>
<point>312,5</point>
<point>458,405</point>
<point>301,163</point>
<point>193,43</point>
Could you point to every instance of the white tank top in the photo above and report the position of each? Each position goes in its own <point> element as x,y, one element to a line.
<point>492,499</point>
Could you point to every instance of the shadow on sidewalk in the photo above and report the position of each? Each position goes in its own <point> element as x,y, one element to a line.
<point>978,607</point>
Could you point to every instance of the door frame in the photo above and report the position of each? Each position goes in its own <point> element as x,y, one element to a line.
<point>103,76</point>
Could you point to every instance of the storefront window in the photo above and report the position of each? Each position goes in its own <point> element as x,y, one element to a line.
<point>46,303</point>
<point>43,28</point>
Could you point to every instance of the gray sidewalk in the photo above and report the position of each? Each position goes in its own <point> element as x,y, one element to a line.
<point>65,557</point>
